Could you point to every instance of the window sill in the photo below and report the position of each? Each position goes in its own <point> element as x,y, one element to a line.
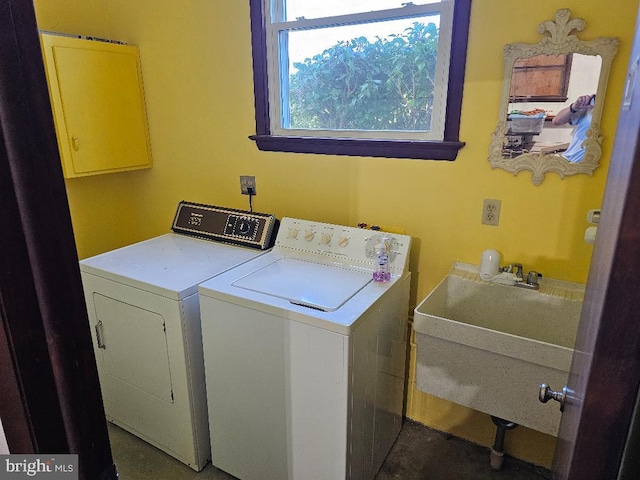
<point>420,150</point>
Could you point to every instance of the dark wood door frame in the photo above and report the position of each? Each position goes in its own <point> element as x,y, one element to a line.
<point>51,401</point>
<point>605,374</point>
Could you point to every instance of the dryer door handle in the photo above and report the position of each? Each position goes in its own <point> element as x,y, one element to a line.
<point>99,335</point>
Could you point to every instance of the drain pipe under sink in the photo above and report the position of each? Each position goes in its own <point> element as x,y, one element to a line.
<point>497,452</point>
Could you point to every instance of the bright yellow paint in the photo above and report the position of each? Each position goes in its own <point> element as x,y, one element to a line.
<point>196,60</point>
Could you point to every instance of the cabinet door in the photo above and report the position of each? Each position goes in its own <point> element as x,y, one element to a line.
<point>98,104</point>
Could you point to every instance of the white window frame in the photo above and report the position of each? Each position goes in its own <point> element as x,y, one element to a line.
<point>278,66</point>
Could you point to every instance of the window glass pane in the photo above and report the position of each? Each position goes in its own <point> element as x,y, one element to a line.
<point>329,8</point>
<point>375,76</point>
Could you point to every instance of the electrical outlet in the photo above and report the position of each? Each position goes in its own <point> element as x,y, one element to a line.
<point>248,184</point>
<point>491,211</point>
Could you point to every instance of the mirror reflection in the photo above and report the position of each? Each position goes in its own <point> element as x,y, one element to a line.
<point>550,104</point>
<point>552,100</point>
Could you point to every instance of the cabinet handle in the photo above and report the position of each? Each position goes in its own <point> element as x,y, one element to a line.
<point>75,143</point>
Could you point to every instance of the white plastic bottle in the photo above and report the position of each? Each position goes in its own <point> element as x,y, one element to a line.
<point>382,273</point>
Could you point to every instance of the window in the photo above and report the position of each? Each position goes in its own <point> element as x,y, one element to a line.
<point>337,77</point>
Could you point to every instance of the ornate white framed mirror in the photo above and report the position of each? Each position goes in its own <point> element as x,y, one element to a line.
<point>552,100</point>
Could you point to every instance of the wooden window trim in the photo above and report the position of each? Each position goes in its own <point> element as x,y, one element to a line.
<point>446,149</point>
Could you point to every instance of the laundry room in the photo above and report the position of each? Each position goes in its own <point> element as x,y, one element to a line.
<point>197,74</point>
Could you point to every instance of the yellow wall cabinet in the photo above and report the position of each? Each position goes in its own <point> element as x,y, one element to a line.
<point>98,105</point>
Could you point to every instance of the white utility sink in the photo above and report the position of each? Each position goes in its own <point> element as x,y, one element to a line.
<point>489,346</point>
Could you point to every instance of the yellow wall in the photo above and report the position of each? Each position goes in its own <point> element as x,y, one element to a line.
<point>196,59</point>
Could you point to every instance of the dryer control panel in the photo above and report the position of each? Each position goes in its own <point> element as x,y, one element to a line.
<point>250,229</point>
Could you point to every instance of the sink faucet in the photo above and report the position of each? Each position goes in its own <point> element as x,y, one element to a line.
<point>531,282</point>
<point>519,274</point>
<point>512,274</point>
<point>518,271</point>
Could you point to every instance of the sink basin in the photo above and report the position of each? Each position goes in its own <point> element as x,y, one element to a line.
<point>489,346</point>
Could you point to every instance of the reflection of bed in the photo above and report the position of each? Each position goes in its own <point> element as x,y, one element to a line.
<point>549,147</point>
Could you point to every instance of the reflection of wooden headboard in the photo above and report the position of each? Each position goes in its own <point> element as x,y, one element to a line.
<point>543,78</point>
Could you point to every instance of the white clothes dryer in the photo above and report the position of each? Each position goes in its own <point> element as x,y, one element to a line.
<point>143,306</point>
<point>305,355</point>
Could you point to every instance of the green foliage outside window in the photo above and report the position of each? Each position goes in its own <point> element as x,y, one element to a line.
<point>386,84</point>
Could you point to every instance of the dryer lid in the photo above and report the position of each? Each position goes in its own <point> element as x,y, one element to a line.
<point>302,282</point>
<point>171,265</point>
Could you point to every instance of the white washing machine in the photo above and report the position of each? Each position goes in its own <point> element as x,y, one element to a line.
<point>305,355</point>
<point>143,308</point>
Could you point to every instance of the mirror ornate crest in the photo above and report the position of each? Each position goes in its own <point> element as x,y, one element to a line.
<point>542,86</point>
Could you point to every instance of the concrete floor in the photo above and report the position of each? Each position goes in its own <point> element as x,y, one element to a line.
<point>419,454</point>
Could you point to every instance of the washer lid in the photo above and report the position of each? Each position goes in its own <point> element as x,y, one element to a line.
<point>301,282</point>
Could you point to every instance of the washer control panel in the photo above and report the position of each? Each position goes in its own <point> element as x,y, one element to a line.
<point>338,242</point>
<point>229,225</point>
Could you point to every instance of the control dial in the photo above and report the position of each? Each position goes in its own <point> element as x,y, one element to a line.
<point>293,233</point>
<point>308,235</point>
<point>325,239</point>
<point>244,226</point>
<point>343,242</point>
